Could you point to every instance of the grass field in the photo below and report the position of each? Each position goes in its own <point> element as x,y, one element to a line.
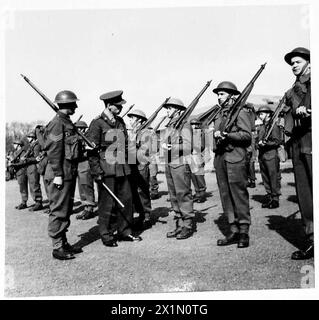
<point>157,264</point>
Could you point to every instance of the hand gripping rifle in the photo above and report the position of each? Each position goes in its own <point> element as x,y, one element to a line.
<point>274,119</point>
<point>239,103</point>
<point>88,142</point>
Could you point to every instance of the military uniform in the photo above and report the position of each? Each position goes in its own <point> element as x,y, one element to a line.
<point>178,176</point>
<point>110,137</point>
<point>62,156</point>
<point>197,164</point>
<point>270,164</point>
<point>27,174</point>
<point>140,177</point>
<point>231,170</point>
<point>63,149</point>
<point>154,186</point>
<point>299,129</point>
<point>85,181</point>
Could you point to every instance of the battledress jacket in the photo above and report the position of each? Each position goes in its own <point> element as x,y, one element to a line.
<point>62,146</point>
<point>238,139</point>
<point>110,158</point>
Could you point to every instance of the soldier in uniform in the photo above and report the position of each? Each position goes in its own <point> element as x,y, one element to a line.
<point>140,176</point>
<point>31,158</point>
<point>230,166</point>
<point>178,175</point>
<point>21,172</point>
<point>197,169</point>
<point>153,179</point>
<point>109,165</point>
<point>62,146</point>
<point>298,127</point>
<point>85,181</point>
<point>269,159</point>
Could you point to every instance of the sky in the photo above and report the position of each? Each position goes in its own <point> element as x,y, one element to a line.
<point>149,53</point>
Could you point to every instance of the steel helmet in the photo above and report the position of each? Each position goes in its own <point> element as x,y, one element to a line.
<point>195,121</point>
<point>175,103</point>
<point>138,113</point>
<point>297,52</point>
<point>81,124</point>
<point>31,134</point>
<point>266,109</point>
<point>65,96</point>
<point>227,86</point>
<point>19,142</point>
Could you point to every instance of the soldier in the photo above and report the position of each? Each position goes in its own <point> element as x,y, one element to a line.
<point>42,159</point>
<point>153,180</point>
<point>251,150</point>
<point>178,175</point>
<point>269,159</point>
<point>85,181</point>
<point>21,172</point>
<point>298,127</point>
<point>109,165</point>
<point>198,173</point>
<point>140,177</point>
<point>62,146</point>
<point>230,166</point>
<point>31,158</point>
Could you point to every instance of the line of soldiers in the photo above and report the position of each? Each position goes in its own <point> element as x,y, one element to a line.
<point>124,164</point>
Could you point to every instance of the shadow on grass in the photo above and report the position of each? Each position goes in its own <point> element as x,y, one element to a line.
<point>290,229</point>
<point>78,209</point>
<point>222,224</point>
<point>160,212</point>
<point>162,193</point>
<point>88,237</point>
<point>292,198</point>
<point>258,197</point>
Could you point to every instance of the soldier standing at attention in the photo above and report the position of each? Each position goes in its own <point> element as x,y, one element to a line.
<point>198,173</point>
<point>178,175</point>
<point>231,169</point>
<point>62,146</point>
<point>298,127</point>
<point>109,165</point>
<point>85,181</point>
<point>269,159</point>
<point>140,177</point>
<point>21,172</point>
<point>33,175</point>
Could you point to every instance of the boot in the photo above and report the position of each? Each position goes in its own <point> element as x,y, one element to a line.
<point>38,206</point>
<point>174,233</point>
<point>185,233</point>
<point>22,205</point>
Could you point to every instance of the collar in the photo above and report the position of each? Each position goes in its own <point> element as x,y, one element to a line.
<point>108,119</point>
<point>63,115</point>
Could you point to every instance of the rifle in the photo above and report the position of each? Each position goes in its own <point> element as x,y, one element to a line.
<point>159,124</point>
<point>14,162</point>
<point>186,114</point>
<point>239,103</point>
<point>56,109</point>
<point>128,110</point>
<point>175,112</point>
<point>148,122</point>
<point>274,119</point>
<point>29,150</point>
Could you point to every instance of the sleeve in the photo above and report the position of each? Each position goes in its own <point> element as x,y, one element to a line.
<point>244,128</point>
<point>93,134</point>
<point>55,147</point>
<point>275,138</point>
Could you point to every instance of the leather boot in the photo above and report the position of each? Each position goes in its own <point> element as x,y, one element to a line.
<point>230,239</point>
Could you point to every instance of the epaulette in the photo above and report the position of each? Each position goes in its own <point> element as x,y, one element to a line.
<point>98,117</point>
